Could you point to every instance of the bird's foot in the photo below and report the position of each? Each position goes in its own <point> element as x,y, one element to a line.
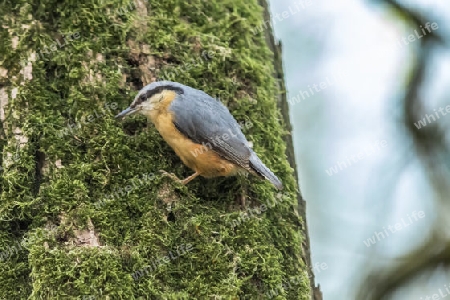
<point>171,175</point>
<point>175,178</point>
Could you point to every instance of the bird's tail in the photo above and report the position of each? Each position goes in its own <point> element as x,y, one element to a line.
<point>257,166</point>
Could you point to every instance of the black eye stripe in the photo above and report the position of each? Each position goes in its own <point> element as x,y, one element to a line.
<point>155,91</point>
<point>161,88</point>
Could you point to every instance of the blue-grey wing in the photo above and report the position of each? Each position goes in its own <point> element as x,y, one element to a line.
<point>206,120</point>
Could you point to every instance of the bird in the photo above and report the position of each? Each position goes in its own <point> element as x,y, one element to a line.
<point>200,129</point>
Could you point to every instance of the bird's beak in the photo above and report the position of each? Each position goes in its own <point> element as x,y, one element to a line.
<point>127,112</point>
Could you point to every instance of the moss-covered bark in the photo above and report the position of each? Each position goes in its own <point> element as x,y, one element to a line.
<point>81,197</point>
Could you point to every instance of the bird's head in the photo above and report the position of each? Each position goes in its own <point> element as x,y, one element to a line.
<point>151,97</point>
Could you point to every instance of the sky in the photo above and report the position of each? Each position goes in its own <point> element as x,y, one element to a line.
<point>345,66</point>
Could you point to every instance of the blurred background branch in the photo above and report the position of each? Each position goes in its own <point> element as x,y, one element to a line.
<point>432,151</point>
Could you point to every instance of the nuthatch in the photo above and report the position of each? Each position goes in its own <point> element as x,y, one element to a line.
<point>200,129</point>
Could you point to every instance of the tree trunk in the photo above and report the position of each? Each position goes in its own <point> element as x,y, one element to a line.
<point>84,212</point>
<point>282,102</point>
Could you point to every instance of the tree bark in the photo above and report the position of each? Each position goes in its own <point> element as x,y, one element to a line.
<point>283,106</point>
<point>84,212</point>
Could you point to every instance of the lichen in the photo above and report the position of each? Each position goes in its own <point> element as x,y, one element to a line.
<point>60,172</point>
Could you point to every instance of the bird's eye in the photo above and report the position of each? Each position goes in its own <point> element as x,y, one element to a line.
<point>142,98</point>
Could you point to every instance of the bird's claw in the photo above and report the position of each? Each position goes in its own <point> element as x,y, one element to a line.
<point>171,175</point>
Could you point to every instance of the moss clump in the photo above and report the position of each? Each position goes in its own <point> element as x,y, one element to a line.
<point>72,155</point>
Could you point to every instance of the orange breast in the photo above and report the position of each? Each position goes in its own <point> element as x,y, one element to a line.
<point>198,157</point>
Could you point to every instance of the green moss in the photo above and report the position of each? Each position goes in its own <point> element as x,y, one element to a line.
<point>61,174</point>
